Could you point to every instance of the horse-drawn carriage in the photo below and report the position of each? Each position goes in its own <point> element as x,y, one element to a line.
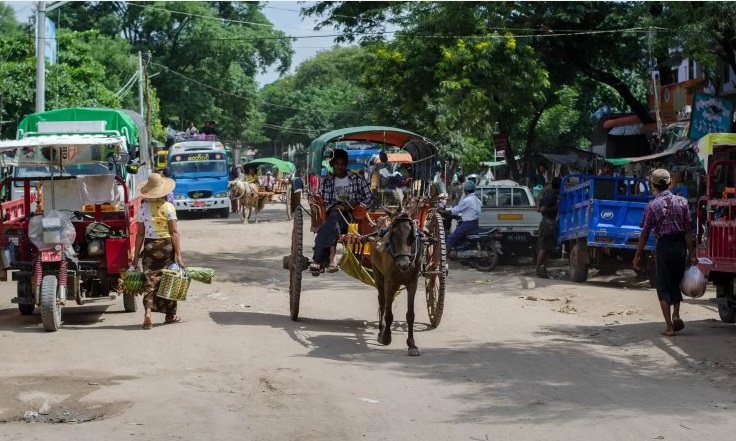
<point>375,234</point>
<point>253,196</point>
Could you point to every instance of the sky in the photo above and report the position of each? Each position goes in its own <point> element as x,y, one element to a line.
<point>283,14</point>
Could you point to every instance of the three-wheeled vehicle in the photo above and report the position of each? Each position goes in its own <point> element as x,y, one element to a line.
<point>77,242</point>
<point>420,199</point>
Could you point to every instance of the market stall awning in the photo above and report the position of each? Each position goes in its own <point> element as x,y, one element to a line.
<point>679,145</point>
<point>710,142</point>
<point>576,158</point>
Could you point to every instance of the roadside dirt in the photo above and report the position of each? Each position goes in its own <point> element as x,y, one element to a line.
<point>515,357</point>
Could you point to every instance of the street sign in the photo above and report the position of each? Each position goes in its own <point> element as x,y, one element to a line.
<point>501,142</point>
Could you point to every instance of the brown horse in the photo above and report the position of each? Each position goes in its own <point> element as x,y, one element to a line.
<point>396,260</point>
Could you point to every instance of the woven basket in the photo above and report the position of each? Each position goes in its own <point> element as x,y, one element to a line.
<point>133,282</point>
<point>174,285</point>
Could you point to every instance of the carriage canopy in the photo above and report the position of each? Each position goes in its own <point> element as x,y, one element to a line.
<point>282,166</point>
<point>423,151</point>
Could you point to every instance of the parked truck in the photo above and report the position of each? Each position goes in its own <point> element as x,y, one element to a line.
<point>510,207</point>
<point>716,220</point>
<point>599,222</point>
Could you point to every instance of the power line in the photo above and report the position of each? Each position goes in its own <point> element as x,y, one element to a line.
<point>189,14</point>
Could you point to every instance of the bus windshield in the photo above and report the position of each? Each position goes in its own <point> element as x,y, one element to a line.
<point>198,169</point>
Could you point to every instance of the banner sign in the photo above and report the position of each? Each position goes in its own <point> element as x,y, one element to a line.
<point>710,115</point>
<point>501,142</point>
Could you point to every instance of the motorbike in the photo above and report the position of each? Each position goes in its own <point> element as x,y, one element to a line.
<point>480,248</point>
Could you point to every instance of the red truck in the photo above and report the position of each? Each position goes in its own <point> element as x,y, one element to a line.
<point>716,220</point>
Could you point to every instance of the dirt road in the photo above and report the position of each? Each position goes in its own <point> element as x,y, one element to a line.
<point>515,357</point>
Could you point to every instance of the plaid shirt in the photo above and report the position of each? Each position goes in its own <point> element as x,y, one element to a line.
<point>666,221</point>
<point>359,190</point>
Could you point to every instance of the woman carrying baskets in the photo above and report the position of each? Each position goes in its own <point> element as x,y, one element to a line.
<point>158,237</point>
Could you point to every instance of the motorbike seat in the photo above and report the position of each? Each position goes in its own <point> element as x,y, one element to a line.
<point>480,232</point>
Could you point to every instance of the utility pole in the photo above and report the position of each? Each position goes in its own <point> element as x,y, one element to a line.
<point>41,11</point>
<point>140,84</point>
<point>41,57</point>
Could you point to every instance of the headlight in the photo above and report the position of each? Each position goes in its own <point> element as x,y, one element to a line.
<point>179,196</point>
<point>222,194</point>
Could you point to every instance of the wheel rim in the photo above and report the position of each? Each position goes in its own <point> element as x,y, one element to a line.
<point>435,265</point>
<point>295,267</point>
<point>490,262</point>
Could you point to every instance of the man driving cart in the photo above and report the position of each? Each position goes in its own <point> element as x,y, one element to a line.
<point>341,192</point>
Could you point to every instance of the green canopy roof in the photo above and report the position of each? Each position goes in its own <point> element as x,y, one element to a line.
<point>116,120</point>
<point>422,150</point>
<point>281,165</point>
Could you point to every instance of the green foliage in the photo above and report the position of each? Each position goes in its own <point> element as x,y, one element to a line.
<point>8,25</point>
<point>324,94</point>
<point>206,54</point>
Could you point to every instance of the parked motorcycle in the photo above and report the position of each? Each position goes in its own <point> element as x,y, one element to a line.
<point>480,248</point>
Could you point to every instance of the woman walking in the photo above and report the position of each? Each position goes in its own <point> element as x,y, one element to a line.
<point>158,237</point>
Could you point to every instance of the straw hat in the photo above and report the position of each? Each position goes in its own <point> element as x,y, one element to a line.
<point>156,186</point>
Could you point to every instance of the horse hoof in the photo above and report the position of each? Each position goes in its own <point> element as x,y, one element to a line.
<point>413,352</point>
<point>384,339</point>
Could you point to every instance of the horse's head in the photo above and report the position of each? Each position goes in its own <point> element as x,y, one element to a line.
<point>403,241</point>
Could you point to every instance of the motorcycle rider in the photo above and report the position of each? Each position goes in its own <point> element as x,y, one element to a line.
<point>469,209</point>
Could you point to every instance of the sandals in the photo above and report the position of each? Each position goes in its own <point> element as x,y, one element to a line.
<point>332,269</point>
<point>174,319</point>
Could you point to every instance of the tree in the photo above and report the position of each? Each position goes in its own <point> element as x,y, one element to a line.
<point>8,25</point>
<point>323,94</point>
<point>206,54</point>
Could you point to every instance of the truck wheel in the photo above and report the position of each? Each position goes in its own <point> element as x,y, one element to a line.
<point>129,303</point>
<point>578,271</point>
<point>727,311</point>
<point>224,213</point>
<point>24,292</point>
<point>50,308</point>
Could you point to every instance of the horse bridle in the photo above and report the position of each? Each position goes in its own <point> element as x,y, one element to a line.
<point>415,249</point>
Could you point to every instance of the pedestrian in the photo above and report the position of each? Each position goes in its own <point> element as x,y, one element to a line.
<point>668,216</point>
<point>549,205</point>
<point>158,239</point>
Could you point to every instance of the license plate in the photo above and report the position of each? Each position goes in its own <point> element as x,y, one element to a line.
<point>50,256</point>
<point>199,203</point>
<point>516,237</point>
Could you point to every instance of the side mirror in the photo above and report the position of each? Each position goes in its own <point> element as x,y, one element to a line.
<point>132,169</point>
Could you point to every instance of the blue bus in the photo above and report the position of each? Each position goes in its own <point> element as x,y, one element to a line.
<point>201,173</point>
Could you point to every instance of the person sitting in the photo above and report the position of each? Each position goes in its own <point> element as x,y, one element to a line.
<point>469,209</point>
<point>252,176</point>
<point>268,181</point>
<point>341,192</point>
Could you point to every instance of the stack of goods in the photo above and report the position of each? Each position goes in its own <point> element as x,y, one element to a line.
<point>133,282</point>
<point>200,274</point>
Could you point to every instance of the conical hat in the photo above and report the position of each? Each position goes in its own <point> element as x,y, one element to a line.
<point>156,186</point>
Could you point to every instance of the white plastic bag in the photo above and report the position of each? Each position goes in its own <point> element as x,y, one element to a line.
<point>693,283</point>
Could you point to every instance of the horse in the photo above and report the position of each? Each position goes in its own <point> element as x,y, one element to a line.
<point>249,200</point>
<point>396,260</point>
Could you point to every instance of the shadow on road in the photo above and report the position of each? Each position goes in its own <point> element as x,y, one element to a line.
<point>72,317</point>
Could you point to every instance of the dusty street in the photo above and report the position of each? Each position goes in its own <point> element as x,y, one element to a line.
<point>515,357</point>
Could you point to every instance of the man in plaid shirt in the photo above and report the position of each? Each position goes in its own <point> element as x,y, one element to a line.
<point>669,217</point>
<point>341,191</point>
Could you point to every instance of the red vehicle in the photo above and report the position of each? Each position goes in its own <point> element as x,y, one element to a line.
<point>716,220</point>
<point>78,241</point>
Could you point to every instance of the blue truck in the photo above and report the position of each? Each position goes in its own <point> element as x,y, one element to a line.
<point>200,170</point>
<point>599,221</point>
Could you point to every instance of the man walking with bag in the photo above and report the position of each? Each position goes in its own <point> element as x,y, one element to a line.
<point>669,217</point>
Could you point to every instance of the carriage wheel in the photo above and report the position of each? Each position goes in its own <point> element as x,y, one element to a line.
<point>296,265</point>
<point>287,195</point>
<point>435,270</point>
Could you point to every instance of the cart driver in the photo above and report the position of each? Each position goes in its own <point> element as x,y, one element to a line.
<point>341,191</point>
